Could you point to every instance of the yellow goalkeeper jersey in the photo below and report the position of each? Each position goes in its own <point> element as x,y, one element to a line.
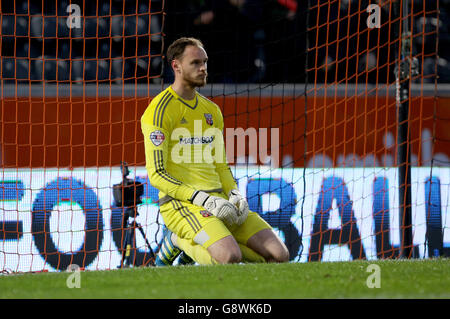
<point>184,146</point>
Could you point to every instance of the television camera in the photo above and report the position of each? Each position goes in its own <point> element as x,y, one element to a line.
<point>127,195</point>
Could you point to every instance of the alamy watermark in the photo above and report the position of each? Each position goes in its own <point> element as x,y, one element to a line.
<point>208,146</point>
<point>74,279</point>
<point>258,144</point>
<point>373,20</point>
<point>74,19</point>
<point>374,279</point>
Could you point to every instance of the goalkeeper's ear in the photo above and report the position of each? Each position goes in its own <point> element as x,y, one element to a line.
<point>175,64</point>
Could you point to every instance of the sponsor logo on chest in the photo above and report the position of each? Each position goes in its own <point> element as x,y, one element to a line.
<point>196,140</point>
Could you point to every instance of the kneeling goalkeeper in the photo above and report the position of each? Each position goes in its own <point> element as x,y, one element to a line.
<point>206,217</point>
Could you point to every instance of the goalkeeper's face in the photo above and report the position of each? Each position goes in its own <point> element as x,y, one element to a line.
<point>193,66</point>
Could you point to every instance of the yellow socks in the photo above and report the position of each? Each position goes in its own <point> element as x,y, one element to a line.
<point>197,252</point>
<point>250,256</point>
<point>201,255</point>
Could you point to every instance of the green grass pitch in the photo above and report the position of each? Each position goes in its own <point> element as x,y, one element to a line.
<point>398,279</point>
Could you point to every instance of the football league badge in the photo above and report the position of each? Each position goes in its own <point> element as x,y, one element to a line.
<point>157,137</point>
<point>209,118</point>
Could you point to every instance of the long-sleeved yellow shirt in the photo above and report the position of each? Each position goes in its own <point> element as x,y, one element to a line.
<point>184,146</point>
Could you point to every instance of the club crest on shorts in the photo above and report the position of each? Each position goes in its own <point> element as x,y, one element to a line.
<point>157,137</point>
<point>205,213</point>
<point>209,118</point>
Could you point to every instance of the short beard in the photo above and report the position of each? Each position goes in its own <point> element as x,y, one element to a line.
<point>195,84</point>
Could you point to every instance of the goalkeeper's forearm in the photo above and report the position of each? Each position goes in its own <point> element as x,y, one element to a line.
<point>165,183</point>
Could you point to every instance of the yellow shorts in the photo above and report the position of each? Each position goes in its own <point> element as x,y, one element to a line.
<point>195,223</point>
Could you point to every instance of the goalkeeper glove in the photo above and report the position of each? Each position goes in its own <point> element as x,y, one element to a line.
<point>236,198</point>
<point>219,207</point>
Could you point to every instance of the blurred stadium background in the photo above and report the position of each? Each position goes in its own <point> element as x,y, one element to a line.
<point>116,39</point>
<point>76,76</point>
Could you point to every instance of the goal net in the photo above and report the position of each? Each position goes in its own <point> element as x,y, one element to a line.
<point>310,95</point>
